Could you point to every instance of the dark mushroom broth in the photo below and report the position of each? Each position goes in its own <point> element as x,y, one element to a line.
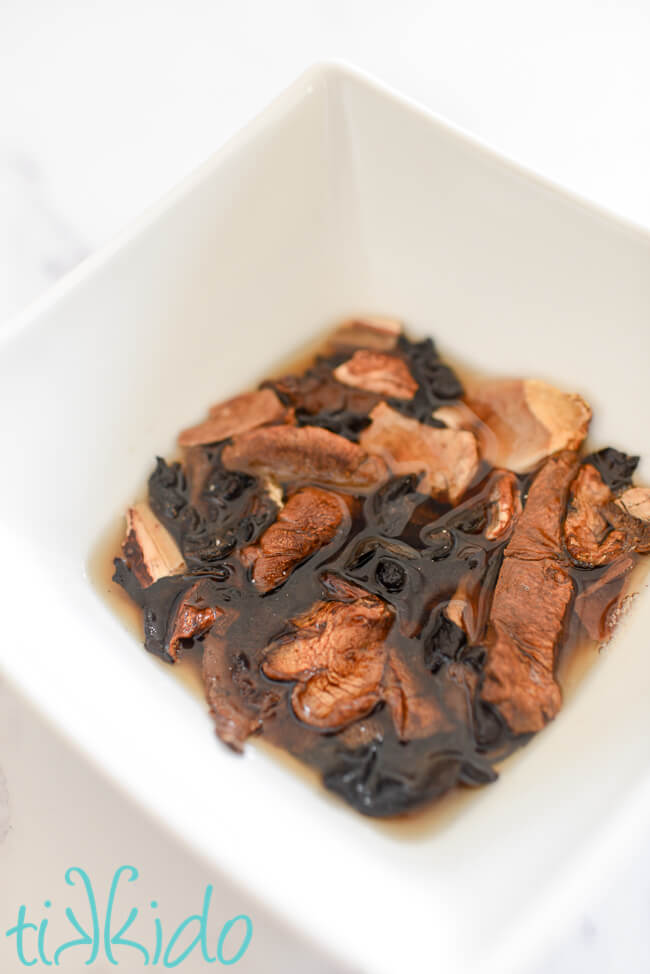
<point>381,569</point>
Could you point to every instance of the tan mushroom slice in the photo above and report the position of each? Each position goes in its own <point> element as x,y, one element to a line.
<point>387,375</point>
<point>370,332</point>
<point>336,654</point>
<point>309,520</point>
<point>448,458</point>
<point>530,419</point>
<point>530,604</point>
<point>149,550</point>
<point>237,415</point>
<point>306,454</point>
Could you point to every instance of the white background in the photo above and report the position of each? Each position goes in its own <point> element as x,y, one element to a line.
<point>105,104</point>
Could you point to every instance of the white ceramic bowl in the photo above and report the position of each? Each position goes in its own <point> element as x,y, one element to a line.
<point>341,197</point>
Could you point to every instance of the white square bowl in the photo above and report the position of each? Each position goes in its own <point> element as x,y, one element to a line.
<point>341,197</point>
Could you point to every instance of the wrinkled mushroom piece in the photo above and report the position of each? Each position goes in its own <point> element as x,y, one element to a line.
<point>305,454</point>
<point>530,419</point>
<point>369,332</point>
<point>149,550</point>
<point>447,458</point>
<point>588,534</point>
<point>529,607</point>
<point>598,528</point>
<point>309,520</point>
<point>387,375</point>
<point>236,415</point>
<point>336,654</point>
<point>191,619</point>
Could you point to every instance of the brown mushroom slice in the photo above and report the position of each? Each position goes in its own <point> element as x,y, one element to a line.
<point>148,548</point>
<point>369,332</point>
<point>504,506</point>
<point>458,416</point>
<point>415,714</point>
<point>597,605</point>
<point>530,419</point>
<point>588,534</point>
<point>528,613</point>
<point>538,532</point>
<point>309,520</point>
<point>192,618</point>
<point>306,454</point>
<point>447,458</point>
<point>235,719</point>
<point>336,654</point>
<point>236,415</point>
<point>387,375</point>
<point>530,604</point>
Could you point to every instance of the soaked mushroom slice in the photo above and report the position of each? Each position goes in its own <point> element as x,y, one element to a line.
<point>530,604</point>
<point>387,375</point>
<point>588,534</point>
<point>336,654</point>
<point>599,529</point>
<point>530,419</point>
<point>597,607</point>
<point>447,458</point>
<point>415,714</point>
<point>527,618</point>
<point>370,332</point>
<point>148,548</point>
<point>192,618</point>
<point>504,506</point>
<point>304,454</point>
<point>236,415</point>
<point>235,718</point>
<point>309,520</point>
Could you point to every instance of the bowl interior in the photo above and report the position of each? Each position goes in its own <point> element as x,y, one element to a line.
<point>339,199</point>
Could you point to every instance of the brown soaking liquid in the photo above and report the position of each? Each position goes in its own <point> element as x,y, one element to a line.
<point>285,737</point>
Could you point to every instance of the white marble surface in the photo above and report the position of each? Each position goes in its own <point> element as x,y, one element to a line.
<point>105,104</point>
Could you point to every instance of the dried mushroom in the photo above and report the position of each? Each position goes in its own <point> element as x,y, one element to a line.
<point>380,569</point>
<point>447,459</point>
<point>529,419</point>
<point>237,415</point>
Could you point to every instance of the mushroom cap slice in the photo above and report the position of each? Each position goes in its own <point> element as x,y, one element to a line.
<point>387,375</point>
<point>530,419</point>
<point>309,520</point>
<point>236,415</point>
<point>368,332</point>
<point>305,454</point>
<point>447,458</point>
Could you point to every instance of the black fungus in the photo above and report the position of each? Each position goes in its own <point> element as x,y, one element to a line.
<point>439,544</point>
<point>614,467</point>
<point>442,641</point>
<point>390,575</point>
<point>438,385</point>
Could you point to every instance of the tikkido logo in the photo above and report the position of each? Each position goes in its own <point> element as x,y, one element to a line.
<point>108,938</point>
